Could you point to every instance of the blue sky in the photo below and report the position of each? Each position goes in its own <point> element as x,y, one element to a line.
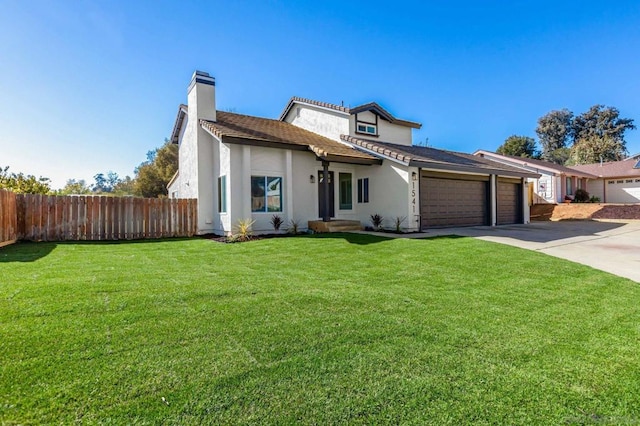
<point>91,86</point>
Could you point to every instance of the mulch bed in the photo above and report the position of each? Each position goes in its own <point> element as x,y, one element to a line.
<point>230,240</point>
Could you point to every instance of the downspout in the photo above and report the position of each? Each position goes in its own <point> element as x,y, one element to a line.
<point>325,186</point>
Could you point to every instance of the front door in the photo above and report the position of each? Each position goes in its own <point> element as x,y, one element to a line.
<point>321,197</point>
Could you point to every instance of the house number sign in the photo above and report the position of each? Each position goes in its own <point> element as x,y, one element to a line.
<point>413,195</point>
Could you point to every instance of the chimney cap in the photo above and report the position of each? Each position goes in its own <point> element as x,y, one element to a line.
<point>201,77</point>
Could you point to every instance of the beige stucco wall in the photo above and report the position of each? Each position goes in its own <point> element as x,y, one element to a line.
<point>596,189</point>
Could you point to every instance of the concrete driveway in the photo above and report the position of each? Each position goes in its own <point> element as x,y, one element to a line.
<point>610,246</point>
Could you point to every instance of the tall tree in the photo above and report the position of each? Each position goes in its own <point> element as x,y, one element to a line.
<point>519,146</point>
<point>555,130</point>
<point>105,184</point>
<point>23,184</point>
<point>599,135</point>
<point>153,175</point>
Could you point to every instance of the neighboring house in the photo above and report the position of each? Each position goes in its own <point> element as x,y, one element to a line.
<point>245,167</point>
<point>555,183</point>
<point>617,181</point>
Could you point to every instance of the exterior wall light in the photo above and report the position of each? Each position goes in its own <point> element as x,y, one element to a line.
<point>414,176</point>
<point>312,179</point>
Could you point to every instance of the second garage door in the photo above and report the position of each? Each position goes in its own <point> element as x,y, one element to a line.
<point>509,201</point>
<point>453,201</point>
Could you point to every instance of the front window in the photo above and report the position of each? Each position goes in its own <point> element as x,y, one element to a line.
<point>345,196</point>
<point>569,186</point>
<point>266,194</point>
<point>363,190</point>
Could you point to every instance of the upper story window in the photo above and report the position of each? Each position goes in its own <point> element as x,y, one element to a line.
<point>366,128</point>
<point>367,123</point>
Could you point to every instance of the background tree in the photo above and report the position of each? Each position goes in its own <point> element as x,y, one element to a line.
<point>105,184</point>
<point>519,146</point>
<point>125,186</point>
<point>555,130</point>
<point>74,187</point>
<point>599,135</point>
<point>153,175</point>
<point>23,184</point>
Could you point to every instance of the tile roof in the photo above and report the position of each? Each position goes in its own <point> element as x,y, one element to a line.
<point>425,157</point>
<point>534,163</point>
<point>312,102</point>
<point>611,169</point>
<point>239,128</point>
<point>371,106</point>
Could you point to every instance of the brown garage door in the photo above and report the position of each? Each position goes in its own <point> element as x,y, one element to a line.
<point>509,207</point>
<point>452,201</point>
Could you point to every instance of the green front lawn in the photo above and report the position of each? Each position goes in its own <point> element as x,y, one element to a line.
<point>317,330</point>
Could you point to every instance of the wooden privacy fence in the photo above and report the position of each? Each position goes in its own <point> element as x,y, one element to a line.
<point>96,218</point>
<point>8,218</point>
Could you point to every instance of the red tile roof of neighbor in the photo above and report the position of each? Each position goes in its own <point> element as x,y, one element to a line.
<point>371,106</point>
<point>425,157</point>
<point>612,169</point>
<point>239,128</point>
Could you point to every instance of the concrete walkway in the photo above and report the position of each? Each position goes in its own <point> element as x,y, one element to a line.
<point>611,246</point>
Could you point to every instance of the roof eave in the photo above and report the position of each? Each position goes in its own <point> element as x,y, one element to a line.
<point>350,160</point>
<point>297,100</point>
<point>374,106</point>
<point>177,126</point>
<point>524,163</point>
<point>470,169</point>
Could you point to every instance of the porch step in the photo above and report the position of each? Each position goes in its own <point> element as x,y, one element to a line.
<point>335,226</point>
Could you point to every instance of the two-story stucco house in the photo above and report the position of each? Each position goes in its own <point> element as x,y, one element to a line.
<point>321,161</point>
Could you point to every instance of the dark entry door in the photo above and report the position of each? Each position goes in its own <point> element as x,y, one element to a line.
<point>321,197</point>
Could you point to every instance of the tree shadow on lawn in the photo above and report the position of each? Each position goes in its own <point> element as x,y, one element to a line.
<point>25,251</point>
<point>30,251</point>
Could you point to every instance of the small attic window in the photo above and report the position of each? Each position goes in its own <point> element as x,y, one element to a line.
<point>366,128</point>
<point>637,166</point>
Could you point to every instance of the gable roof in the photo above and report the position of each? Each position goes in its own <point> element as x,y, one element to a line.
<point>612,169</point>
<point>533,163</point>
<point>371,106</point>
<point>438,159</point>
<point>249,130</point>
<point>377,109</point>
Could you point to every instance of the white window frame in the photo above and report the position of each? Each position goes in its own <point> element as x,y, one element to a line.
<point>368,128</point>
